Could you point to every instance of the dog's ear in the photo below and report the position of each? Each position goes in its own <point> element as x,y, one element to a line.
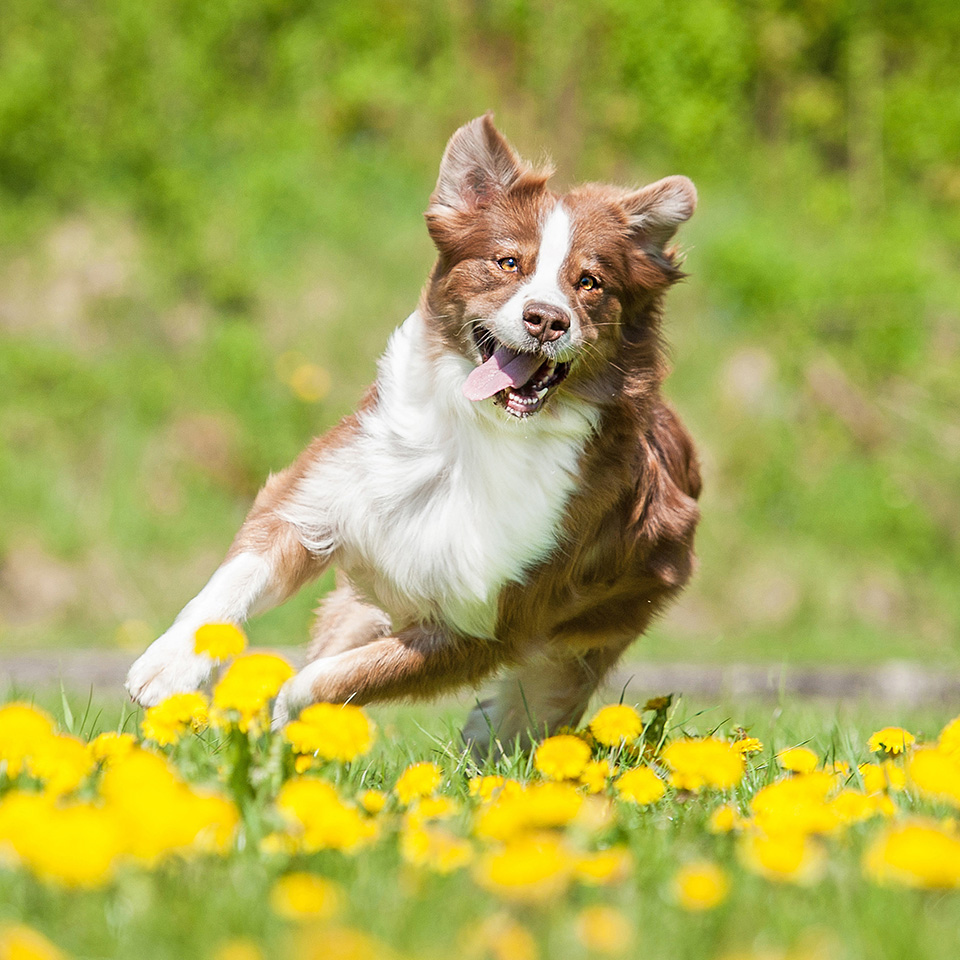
<point>656,211</point>
<point>477,164</point>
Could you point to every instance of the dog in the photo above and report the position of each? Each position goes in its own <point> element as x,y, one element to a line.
<point>512,495</point>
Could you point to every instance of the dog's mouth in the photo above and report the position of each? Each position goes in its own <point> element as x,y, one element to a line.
<point>519,381</point>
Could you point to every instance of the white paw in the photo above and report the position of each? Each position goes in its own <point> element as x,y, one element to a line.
<point>169,666</point>
<point>294,695</point>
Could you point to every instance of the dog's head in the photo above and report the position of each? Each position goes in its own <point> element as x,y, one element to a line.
<point>543,292</point>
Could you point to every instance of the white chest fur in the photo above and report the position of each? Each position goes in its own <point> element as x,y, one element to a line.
<point>438,502</point>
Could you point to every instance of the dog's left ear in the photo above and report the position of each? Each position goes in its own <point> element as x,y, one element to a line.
<point>477,164</point>
<point>657,210</point>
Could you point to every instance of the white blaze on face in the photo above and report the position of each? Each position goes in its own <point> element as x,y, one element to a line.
<point>546,285</point>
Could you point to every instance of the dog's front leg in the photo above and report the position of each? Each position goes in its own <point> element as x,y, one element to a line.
<point>418,662</point>
<point>266,564</point>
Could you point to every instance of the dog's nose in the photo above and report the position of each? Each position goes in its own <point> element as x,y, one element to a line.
<point>545,321</point>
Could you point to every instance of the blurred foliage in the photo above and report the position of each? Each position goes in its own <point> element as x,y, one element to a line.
<point>209,223</point>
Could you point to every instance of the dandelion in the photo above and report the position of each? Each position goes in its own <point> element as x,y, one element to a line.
<point>170,719</point>
<point>915,854</point>
<point>61,763</point>
<point>798,760</point>
<point>949,740</point>
<point>707,762</point>
<point>796,805</point>
<point>531,868</point>
<point>615,725</point>
<point>783,857</point>
<point>640,785</point>
<point>305,896</point>
<point>541,806</point>
<point>418,780</point>
<point>22,729</point>
<point>603,930</point>
<point>724,819</point>
<point>220,640</point>
<point>435,848</point>
<point>748,745</point>
<point>700,886</point>
<point>373,801</point>
<point>882,776</point>
<point>935,774</point>
<point>19,942</point>
<point>562,757</point>
<point>331,731</point>
<point>604,866</point>
<point>595,774</point>
<point>107,747</point>
<point>249,684</point>
<point>320,820</point>
<point>891,740</point>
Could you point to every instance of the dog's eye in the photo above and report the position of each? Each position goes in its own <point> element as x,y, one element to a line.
<point>509,264</point>
<point>586,282</point>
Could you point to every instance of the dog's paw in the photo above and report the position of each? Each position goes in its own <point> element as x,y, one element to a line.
<point>294,695</point>
<point>169,666</point>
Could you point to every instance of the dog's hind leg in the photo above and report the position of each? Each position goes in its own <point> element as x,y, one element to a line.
<point>345,621</point>
<point>549,691</point>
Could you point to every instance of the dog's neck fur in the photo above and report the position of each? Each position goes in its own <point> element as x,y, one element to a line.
<point>442,501</point>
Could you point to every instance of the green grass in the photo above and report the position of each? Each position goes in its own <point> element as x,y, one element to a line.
<point>187,910</point>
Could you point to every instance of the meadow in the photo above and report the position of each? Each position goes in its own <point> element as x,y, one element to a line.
<point>662,830</point>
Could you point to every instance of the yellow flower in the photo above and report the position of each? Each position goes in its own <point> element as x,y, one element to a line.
<point>891,740</point>
<point>373,801</point>
<point>798,760</point>
<point>748,745</point>
<point>935,774</point>
<point>885,776</point>
<point>536,807</point>
<point>62,763</point>
<point>170,719</point>
<point>108,746</point>
<point>320,819</point>
<point>530,868</point>
<point>334,732</point>
<point>595,774</point>
<point>18,942</point>
<point>784,857</point>
<point>238,948</point>
<point>249,684</point>
<point>220,640</point>
<point>418,780</point>
<point>434,847</point>
<point>562,758</point>
<point>915,854</point>
<point>604,866</point>
<point>851,806</point>
<point>487,787</point>
<point>603,930</point>
<point>795,804</point>
<point>640,785</point>
<point>706,762</point>
<point>724,819</point>
<point>949,741</point>
<point>22,729</point>
<point>700,886</point>
<point>305,896</point>
<point>500,937</point>
<point>616,724</point>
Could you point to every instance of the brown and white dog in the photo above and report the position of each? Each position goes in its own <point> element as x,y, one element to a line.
<point>512,492</point>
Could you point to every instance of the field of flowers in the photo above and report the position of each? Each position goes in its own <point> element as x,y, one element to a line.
<point>204,834</point>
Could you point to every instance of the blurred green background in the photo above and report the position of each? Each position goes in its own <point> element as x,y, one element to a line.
<point>210,220</point>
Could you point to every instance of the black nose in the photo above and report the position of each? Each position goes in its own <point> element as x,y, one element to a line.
<point>545,321</point>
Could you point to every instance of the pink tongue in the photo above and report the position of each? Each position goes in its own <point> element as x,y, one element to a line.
<point>506,368</point>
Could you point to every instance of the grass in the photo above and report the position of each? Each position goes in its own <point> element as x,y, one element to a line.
<point>191,908</point>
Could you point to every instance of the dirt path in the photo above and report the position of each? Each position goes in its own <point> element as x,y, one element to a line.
<point>901,683</point>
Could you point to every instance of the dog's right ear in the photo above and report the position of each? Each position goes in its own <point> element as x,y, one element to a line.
<point>477,164</point>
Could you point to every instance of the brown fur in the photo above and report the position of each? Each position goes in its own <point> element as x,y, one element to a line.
<point>627,540</point>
